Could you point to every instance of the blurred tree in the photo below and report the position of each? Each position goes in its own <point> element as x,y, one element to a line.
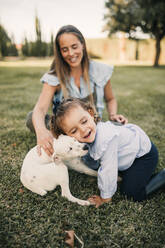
<point>25,48</point>
<point>7,44</point>
<point>40,47</point>
<point>51,46</point>
<point>37,48</point>
<point>32,48</point>
<point>38,28</point>
<point>4,41</point>
<point>38,43</point>
<point>44,50</point>
<point>12,50</point>
<point>129,15</point>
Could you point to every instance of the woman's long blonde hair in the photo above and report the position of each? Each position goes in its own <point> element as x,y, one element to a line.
<point>60,68</point>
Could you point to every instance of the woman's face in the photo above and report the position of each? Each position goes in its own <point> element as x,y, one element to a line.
<point>78,123</point>
<point>71,49</point>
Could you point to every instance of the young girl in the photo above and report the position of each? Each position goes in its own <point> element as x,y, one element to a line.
<point>124,148</point>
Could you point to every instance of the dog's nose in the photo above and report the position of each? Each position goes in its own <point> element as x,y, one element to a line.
<point>85,147</point>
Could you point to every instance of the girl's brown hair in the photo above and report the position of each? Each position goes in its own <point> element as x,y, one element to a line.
<point>60,68</point>
<point>63,108</point>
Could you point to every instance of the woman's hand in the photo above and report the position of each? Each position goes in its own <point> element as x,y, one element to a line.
<point>118,118</point>
<point>45,140</point>
<point>98,201</point>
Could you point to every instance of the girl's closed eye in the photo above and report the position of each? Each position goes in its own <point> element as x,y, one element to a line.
<point>73,131</point>
<point>84,121</point>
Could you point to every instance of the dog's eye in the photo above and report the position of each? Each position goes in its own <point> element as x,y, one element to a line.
<point>70,148</point>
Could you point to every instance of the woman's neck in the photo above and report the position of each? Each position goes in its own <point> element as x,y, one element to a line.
<point>76,73</point>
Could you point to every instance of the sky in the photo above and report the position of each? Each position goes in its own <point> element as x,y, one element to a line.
<point>18,17</point>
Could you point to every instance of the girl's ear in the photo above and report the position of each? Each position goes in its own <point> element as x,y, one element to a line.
<point>95,116</point>
<point>91,111</point>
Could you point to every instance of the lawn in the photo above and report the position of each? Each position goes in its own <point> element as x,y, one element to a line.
<point>29,220</point>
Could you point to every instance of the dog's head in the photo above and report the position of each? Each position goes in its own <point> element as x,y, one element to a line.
<point>67,147</point>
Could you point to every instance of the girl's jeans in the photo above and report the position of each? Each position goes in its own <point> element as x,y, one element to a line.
<point>136,177</point>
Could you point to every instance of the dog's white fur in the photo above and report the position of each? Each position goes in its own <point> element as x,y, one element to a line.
<point>43,173</point>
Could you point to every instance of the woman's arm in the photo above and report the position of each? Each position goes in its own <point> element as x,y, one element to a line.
<point>44,136</point>
<point>112,105</point>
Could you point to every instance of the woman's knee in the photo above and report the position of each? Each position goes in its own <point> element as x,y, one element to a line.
<point>29,123</point>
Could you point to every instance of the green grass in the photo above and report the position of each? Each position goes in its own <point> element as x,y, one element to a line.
<point>29,220</point>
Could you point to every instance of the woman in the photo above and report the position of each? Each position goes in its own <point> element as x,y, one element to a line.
<point>73,74</point>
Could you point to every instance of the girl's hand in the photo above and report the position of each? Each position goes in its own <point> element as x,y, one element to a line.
<point>45,140</point>
<point>97,200</point>
<point>118,118</point>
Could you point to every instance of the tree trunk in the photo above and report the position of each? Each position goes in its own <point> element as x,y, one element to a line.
<point>137,50</point>
<point>158,50</point>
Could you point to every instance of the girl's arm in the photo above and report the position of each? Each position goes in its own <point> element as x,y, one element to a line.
<point>44,136</point>
<point>107,174</point>
<point>112,105</point>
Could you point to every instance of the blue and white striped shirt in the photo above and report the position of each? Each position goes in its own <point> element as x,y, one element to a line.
<point>117,147</point>
<point>99,74</point>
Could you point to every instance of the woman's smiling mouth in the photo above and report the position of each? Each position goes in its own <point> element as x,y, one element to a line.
<point>73,59</point>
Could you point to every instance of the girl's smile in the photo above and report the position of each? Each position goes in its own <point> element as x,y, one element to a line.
<point>79,124</point>
<point>88,135</point>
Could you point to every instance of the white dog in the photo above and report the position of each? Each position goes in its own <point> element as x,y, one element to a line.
<point>43,173</point>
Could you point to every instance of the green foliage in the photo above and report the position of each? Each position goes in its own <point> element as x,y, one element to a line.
<point>129,15</point>
<point>38,29</point>
<point>51,46</point>
<point>12,50</point>
<point>7,47</point>
<point>25,48</point>
<point>29,220</point>
<point>38,48</point>
<point>122,15</point>
<point>4,39</point>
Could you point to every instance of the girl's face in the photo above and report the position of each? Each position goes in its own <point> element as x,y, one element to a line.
<point>78,123</point>
<point>71,49</point>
